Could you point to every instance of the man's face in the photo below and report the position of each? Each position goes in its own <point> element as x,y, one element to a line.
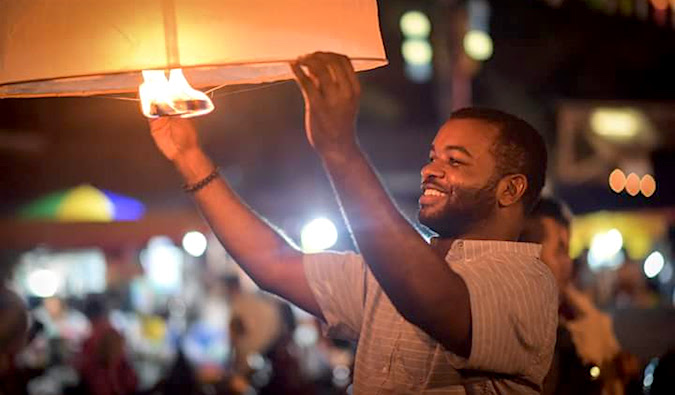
<point>555,250</point>
<point>458,183</point>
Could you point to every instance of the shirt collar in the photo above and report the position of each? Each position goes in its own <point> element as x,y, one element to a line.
<point>472,249</point>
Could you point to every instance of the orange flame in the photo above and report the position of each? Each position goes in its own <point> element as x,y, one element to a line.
<point>172,97</point>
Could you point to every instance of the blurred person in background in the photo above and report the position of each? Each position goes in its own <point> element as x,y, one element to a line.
<point>13,337</point>
<point>65,328</point>
<point>473,310</point>
<point>587,357</point>
<point>632,289</point>
<point>283,354</point>
<point>261,333</point>
<point>103,365</point>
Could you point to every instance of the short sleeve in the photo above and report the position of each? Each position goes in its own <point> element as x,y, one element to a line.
<point>514,313</point>
<point>338,283</point>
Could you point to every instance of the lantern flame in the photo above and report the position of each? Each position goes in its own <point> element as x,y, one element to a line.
<point>173,97</point>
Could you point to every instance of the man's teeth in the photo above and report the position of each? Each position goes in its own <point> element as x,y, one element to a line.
<point>433,192</point>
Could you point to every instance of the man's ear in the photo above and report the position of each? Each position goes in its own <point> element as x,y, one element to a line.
<point>511,189</point>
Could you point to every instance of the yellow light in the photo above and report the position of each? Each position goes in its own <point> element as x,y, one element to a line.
<point>622,124</point>
<point>595,372</point>
<point>175,96</point>
<point>415,24</point>
<point>633,184</point>
<point>417,52</point>
<point>647,185</point>
<point>478,45</point>
<point>617,180</point>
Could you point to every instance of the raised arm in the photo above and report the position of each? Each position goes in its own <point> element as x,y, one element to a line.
<point>269,258</point>
<point>418,282</point>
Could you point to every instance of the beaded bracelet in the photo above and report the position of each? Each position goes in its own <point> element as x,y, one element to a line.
<point>201,184</point>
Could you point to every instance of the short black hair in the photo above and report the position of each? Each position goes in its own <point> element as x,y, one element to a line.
<point>519,149</point>
<point>95,306</point>
<point>546,207</point>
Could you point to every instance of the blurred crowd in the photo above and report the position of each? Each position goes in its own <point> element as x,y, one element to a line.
<point>238,340</point>
<point>235,342</point>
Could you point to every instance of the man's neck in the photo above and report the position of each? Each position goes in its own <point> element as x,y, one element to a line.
<point>442,244</point>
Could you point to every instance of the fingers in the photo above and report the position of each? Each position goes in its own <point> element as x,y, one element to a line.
<point>320,69</point>
<point>307,86</point>
<point>333,72</point>
<point>349,74</point>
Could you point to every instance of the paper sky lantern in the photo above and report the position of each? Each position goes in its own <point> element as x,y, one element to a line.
<point>84,47</point>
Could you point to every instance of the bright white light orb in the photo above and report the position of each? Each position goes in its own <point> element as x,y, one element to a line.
<point>478,45</point>
<point>594,372</point>
<point>415,24</point>
<point>653,264</point>
<point>318,235</point>
<point>194,243</point>
<point>417,52</point>
<point>163,264</point>
<point>43,283</point>
<point>306,335</point>
<point>605,249</point>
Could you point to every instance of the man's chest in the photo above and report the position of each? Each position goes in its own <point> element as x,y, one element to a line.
<point>395,352</point>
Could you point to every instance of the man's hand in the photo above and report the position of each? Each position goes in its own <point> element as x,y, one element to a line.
<point>592,332</point>
<point>331,92</point>
<point>174,136</point>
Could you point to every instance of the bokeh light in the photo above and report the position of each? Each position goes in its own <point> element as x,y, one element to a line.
<point>318,235</point>
<point>633,184</point>
<point>163,264</point>
<point>653,264</point>
<point>43,283</point>
<point>647,185</point>
<point>478,45</point>
<point>419,73</point>
<point>617,123</point>
<point>617,180</point>
<point>415,24</point>
<point>194,243</point>
<point>605,248</point>
<point>417,52</point>
<point>594,372</point>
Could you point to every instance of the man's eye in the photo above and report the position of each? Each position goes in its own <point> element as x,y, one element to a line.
<point>454,162</point>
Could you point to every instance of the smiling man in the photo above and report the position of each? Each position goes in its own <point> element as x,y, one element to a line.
<point>471,312</point>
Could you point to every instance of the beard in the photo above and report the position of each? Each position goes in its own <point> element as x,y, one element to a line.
<point>462,209</point>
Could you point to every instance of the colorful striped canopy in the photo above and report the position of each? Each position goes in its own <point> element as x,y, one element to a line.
<point>83,203</point>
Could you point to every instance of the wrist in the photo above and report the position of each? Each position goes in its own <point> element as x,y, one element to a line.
<point>340,154</point>
<point>193,165</point>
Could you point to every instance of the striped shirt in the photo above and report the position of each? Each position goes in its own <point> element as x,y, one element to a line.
<point>514,304</point>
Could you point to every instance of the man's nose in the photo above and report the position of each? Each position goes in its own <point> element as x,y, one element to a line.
<point>431,170</point>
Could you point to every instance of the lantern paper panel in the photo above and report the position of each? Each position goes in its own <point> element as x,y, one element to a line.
<point>84,47</point>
